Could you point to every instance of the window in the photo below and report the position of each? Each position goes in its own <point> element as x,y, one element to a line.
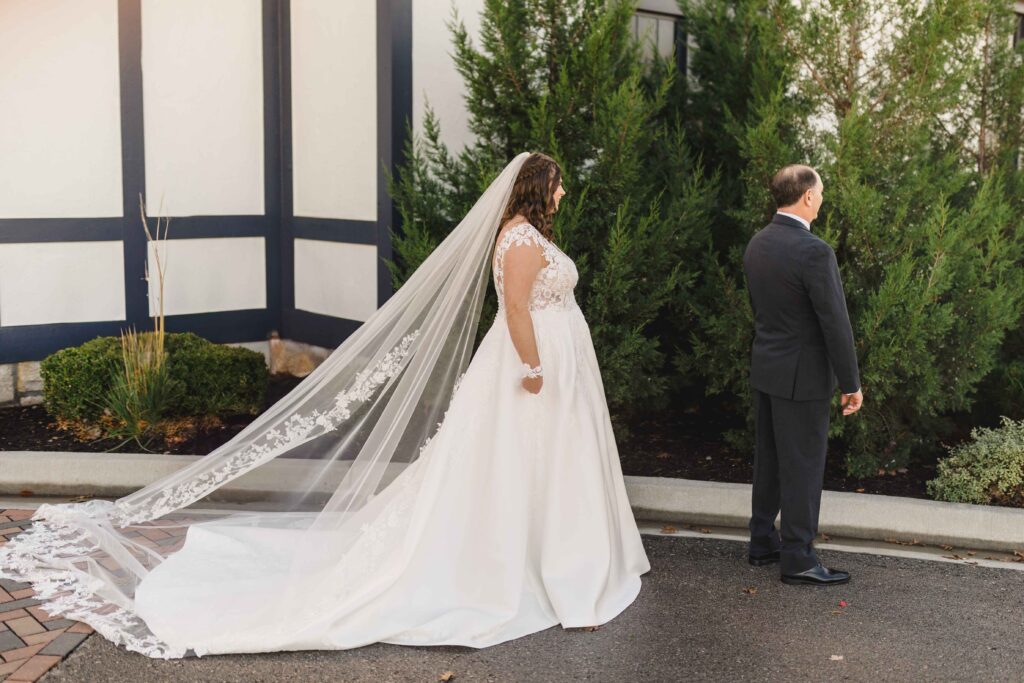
<point>656,26</point>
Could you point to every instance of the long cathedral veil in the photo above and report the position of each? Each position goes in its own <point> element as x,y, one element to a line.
<point>308,464</point>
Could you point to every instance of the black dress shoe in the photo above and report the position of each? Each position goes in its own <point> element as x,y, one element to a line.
<point>762,560</point>
<point>817,576</point>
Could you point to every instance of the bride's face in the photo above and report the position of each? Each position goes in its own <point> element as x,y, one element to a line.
<point>559,193</point>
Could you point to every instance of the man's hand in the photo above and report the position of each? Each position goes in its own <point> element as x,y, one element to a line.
<point>852,402</point>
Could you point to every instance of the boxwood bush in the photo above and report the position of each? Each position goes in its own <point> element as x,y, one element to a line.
<point>207,378</point>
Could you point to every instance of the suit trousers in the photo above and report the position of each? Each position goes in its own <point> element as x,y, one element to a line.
<point>789,470</point>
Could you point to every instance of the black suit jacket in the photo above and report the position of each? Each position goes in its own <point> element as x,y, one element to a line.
<point>803,341</point>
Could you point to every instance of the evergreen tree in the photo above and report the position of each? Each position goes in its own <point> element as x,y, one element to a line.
<point>988,126</point>
<point>928,244</point>
<point>911,111</point>
<point>565,77</point>
<point>744,114</point>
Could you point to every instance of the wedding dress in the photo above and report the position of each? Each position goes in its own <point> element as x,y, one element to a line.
<point>521,520</point>
<point>512,519</point>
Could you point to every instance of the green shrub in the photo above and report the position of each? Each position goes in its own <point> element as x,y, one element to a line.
<point>217,379</point>
<point>1002,392</point>
<point>203,378</point>
<point>988,469</point>
<point>76,379</point>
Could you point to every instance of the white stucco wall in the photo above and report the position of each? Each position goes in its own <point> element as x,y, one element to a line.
<point>434,78</point>
<point>60,138</point>
<point>202,71</point>
<point>209,274</point>
<point>334,108</point>
<point>61,282</point>
<point>335,278</point>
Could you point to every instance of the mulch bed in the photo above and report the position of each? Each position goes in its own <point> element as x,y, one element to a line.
<point>682,443</point>
<point>689,445</point>
<point>31,428</point>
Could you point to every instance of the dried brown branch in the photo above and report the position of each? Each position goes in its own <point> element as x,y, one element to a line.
<point>840,106</point>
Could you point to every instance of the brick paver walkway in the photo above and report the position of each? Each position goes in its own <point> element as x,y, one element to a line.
<point>31,641</point>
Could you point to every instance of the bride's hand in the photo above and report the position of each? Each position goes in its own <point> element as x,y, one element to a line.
<point>533,384</point>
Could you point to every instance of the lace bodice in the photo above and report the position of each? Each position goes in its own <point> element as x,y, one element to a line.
<point>553,288</point>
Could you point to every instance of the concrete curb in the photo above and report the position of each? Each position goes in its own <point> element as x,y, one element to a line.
<point>112,475</point>
<point>850,515</point>
<point>680,501</point>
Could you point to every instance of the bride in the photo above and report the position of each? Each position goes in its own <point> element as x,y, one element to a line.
<point>400,493</point>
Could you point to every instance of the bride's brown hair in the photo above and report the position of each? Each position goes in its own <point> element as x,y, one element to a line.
<point>533,194</point>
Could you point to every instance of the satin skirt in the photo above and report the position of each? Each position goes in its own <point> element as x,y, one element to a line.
<point>514,519</point>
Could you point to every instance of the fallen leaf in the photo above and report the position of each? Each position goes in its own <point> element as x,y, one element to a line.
<point>859,490</point>
<point>668,529</point>
<point>446,676</point>
<point>704,531</point>
<point>972,553</point>
<point>590,629</point>
<point>750,590</point>
<point>946,547</point>
<point>825,537</point>
<point>837,611</point>
<point>663,456</point>
<point>899,542</point>
<point>26,493</point>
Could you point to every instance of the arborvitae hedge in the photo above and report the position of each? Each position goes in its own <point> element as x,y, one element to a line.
<point>927,234</point>
<point>911,111</point>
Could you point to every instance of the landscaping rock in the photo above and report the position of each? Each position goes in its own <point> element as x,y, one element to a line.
<point>6,383</point>
<point>29,378</point>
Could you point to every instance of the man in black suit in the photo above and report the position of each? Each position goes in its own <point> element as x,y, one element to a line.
<point>803,348</point>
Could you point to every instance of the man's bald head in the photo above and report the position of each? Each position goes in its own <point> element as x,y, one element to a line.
<point>798,191</point>
<point>791,183</point>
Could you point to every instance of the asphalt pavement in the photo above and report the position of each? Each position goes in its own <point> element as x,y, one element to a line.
<point>703,614</point>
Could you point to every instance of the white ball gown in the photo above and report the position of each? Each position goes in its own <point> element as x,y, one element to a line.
<point>514,519</point>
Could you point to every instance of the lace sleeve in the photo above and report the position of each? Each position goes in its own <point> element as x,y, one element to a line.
<point>515,238</point>
<point>519,235</point>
